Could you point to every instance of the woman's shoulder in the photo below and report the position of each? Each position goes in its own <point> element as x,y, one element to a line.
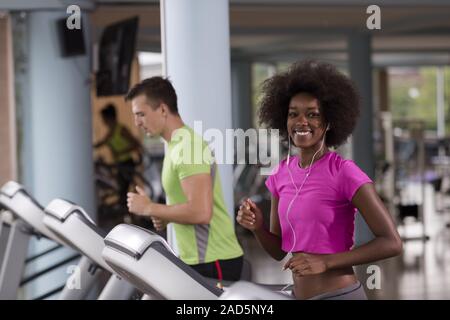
<point>343,167</point>
<point>338,163</point>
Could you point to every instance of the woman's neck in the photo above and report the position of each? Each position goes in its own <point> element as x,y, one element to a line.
<point>306,156</point>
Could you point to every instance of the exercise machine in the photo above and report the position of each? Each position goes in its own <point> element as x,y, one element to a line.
<point>72,224</point>
<point>21,219</point>
<point>145,259</point>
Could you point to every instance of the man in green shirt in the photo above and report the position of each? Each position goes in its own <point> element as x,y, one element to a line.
<point>195,205</point>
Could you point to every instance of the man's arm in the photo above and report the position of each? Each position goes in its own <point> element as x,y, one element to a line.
<point>196,210</point>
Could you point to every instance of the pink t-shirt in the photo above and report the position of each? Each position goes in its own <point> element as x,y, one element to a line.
<point>322,216</point>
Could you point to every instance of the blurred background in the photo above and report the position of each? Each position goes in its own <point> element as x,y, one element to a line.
<point>55,81</point>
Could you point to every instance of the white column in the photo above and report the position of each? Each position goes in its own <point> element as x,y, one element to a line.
<point>196,48</point>
<point>54,125</point>
<point>59,115</point>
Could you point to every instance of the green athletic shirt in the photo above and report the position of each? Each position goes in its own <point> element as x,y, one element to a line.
<point>118,143</point>
<point>188,154</point>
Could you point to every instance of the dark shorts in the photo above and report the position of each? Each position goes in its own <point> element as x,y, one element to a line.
<point>229,270</point>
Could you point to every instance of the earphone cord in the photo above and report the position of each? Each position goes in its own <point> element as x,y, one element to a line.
<point>297,190</point>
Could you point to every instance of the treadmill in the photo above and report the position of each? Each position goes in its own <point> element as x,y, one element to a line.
<point>74,226</point>
<point>146,260</point>
<point>23,217</point>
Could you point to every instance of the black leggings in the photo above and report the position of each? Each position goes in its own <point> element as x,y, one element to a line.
<point>229,270</point>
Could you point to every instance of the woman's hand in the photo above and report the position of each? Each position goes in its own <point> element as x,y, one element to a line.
<point>250,216</point>
<point>305,264</point>
<point>139,203</point>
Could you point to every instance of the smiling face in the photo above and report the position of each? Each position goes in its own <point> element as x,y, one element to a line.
<point>305,122</point>
<point>146,117</point>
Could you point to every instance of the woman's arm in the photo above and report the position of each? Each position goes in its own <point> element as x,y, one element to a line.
<point>387,242</point>
<point>250,217</point>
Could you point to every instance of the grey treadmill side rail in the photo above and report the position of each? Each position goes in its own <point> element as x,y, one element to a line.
<point>14,198</point>
<point>10,188</point>
<point>119,237</point>
<point>150,240</point>
<point>161,248</point>
<point>71,208</point>
<point>75,214</point>
<point>62,208</point>
<point>147,281</point>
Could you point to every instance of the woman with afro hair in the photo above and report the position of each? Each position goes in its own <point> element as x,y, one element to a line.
<point>315,194</point>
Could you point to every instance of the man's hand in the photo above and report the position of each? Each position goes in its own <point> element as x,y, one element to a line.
<point>139,203</point>
<point>159,224</point>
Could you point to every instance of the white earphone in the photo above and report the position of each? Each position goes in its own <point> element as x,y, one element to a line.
<point>297,190</point>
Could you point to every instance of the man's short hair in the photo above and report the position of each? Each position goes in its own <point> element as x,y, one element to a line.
<point>156,88</point>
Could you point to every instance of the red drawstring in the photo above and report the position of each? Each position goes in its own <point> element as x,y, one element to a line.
<point>219,273</point>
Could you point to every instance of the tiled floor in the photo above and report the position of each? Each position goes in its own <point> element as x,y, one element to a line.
<point>421,272</point>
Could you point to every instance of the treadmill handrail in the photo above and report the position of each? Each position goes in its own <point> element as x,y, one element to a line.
<point>10,190</point>
<point>62,208</point>
<point>133,240</point>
